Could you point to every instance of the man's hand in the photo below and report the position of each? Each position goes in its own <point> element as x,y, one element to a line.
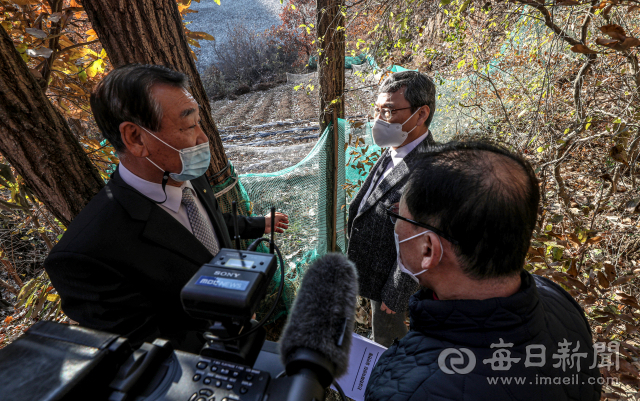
<point>282,223</point>
<point>385,308</point>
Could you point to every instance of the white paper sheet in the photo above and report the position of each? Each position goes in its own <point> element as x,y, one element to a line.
<point>363,357</point>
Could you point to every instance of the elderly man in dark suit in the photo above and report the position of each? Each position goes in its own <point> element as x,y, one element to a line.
<point>403,111</point>
<point>122,262</point>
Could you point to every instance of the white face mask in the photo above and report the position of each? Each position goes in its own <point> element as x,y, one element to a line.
<point>390,134</point>
<point>399,258</point>
<point>195,160</point>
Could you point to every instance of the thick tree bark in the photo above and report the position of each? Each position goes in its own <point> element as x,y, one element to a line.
<point>151,32</point>
<point>37,142</point>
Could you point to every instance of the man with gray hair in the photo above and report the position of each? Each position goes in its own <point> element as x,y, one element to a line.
<point>122,262</point>
<point>403,112</point>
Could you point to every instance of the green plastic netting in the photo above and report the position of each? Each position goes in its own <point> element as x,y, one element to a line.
<point>398,68</point>
<point>348,61</point>
<point>301,192</point>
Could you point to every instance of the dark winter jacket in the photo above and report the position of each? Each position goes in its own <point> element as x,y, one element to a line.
<point>371,244</point>
<point>423,365</point>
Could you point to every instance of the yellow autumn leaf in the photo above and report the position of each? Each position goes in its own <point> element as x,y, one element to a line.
<point>65,42</point>
<point>74,55</point>
<point>193,42</point>
<point>200,35</point>
<point>64,106</point>
<point>92,70</point>
<point>76,88</point>
<point>91,35</point>
<point>92,143</point>
<point>82,52</point>
<point>89,52</point>
<point>53,297</point>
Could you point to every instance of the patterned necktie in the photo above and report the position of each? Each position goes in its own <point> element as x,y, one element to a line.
<point>199,225</point>
<point>386,157</point>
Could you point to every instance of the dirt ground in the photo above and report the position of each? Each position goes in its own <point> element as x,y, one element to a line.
<point>270,130</point>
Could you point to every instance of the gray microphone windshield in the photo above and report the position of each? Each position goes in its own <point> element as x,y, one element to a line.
<point>323,313</point>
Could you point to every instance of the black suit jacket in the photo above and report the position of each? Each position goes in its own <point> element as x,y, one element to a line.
<point>122,262</point>
<point>371,244</point>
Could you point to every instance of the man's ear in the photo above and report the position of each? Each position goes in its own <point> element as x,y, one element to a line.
<point>431,251</point>
<point>132,138</point>
<point>423,115</point>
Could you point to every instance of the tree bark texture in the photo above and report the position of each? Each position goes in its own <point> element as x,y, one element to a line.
<point>331,44</point>
<point>330,23</point>
<point>151,32</point>
<point>38,143</point>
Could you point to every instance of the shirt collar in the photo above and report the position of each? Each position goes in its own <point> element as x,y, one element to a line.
<point>153,190</point>
<point>398,154</point>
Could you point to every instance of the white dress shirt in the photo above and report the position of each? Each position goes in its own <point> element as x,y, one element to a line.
<point>173,205</point>
<point>396,157</point>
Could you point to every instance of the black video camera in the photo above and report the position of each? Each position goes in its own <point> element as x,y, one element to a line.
<point>53,361</point>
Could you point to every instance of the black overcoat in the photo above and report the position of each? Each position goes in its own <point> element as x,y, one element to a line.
<point>123,260</point>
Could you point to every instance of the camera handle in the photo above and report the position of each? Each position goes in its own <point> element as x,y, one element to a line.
<point>242,350</point>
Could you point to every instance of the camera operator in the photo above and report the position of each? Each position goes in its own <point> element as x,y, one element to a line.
<point>482,328</point>
<point>122,262</point>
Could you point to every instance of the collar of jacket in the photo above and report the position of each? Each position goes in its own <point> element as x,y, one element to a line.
<point>158,222</point>
<point>475,323</point>
<point>137,205</point>
<point>398,173</point>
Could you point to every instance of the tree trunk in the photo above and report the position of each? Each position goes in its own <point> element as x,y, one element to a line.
<point>37,142</point>
<point>330,23</point>
<point>151,32</point>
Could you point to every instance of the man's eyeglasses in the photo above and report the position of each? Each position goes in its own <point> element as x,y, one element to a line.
<point>386,112</point>
<point>393,210</point>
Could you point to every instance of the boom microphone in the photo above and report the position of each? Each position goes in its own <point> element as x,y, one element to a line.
<point>318,332</point>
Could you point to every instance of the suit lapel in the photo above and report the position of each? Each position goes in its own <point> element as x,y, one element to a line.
<point>160,227</point>
<point>396,174</point>
<point>355,204</point>
<point>167,232</point>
